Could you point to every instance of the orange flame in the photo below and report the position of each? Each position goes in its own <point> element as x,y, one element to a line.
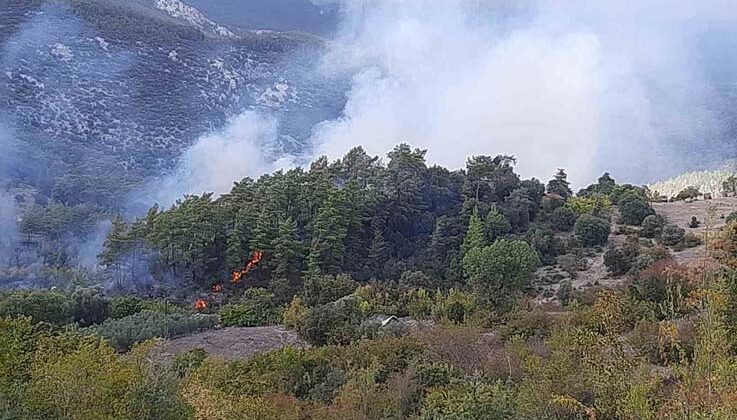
<point>200,305</point>
<point>238,275</point>
<point>217,288</point>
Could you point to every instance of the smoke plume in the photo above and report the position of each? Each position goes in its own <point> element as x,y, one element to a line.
<point>585,86</point>
<point>243,148</point>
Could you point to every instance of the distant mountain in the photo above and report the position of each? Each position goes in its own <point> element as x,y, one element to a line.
<point>118,88</point>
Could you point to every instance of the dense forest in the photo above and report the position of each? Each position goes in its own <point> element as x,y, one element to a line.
<point>417,292</point>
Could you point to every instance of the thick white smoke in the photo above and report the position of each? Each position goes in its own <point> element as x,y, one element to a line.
<point>589,86</point>
<point>240,149</point>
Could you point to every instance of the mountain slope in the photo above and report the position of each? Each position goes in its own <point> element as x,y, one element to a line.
<point>121,88</point>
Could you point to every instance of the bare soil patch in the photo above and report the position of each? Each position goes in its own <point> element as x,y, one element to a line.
<point>234,343</point>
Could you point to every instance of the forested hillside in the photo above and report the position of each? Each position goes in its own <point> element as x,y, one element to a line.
<point>417,288</point>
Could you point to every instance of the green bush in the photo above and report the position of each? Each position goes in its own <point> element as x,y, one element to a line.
<point>692,240</point>
<point>732,217</point>
<point>563,219</point>
<point>257,309</point>
<point>186,363</point>
<point>634,209</point>
<point>592,231</point>
<point>672,235</point>
<point>469,401</point>
<point>333,323</point>
<point>321,290</point>
<point>42,306</point>
<point>125,332</point>
<point>688,192</point>
<point>652,226</point>
<point>503,266</point>
<point>433,375</point>
<point>123,306</point>
<point>617,262</point>
<point>89,307</point>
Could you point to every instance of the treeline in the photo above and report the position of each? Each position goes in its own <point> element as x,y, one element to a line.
<point>370,220</point>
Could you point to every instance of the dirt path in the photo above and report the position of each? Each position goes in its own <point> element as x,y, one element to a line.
<point>234,343</point>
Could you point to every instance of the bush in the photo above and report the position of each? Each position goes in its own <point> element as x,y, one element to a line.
<point>469,402</point>
<point>186,363</point>
<point>688,192</point>
<point>732,217</point>
<point>416,279</point>
<point>90,307</point>
<point>42,306</point>
<point>652,226</point>
<point>620,191</point>
<point>634,209</point>
<point>672,235</point>
<point>565,292</point>
<point>563,219</point>
<point>617,261</point>
<point>592,231</point>
<point>546,243</point>
<point>433,375</point>
<point>321,290</point>
<point>123,306</point>
<point>692,240</point>
<point>295,314</point>
<point>333,323</point>
<point>256,310</point>
<point>125,332</point>
<point>504,265</point>
<point>694,223</point>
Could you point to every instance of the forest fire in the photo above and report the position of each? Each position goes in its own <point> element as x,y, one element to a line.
<point>217,288</point>
<point>200,305</point>
<point>238,275</point>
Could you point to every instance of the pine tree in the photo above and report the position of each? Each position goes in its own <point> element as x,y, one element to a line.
<point>117,242</point>
<point>287,250</point>
<point>329,231</point>
<point>475,236</point>
<point>559,185</point>
<point>378,254</point>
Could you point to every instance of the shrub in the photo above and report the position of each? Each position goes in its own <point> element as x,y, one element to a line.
<point>634,209</point>
<point>565,292</point>
<point>433,375</point>
<point>732,217</point>
<point>256,310</point>
<point>620,191</point>
<point>594,205</point>
<point>42,306</point>
<point>417,279</point>
<point>453,306</point>
<point>672,235</point>
<point>688,192</point>
<point>652,226</point>
<point>321,290</point>
<point>186,363</point>
<point>504,265</point>
<point>617,262</point>
<point>694,223</point>
<point>469,401</point>
<point>125,332</point>
<point>546,243</point>
<point>692,240</point>
<point>563,219</point>
<point>123,306</point>
<point>295,314</point>
<point>89,307</point>
<point>592,231</point>
<point>333,323</point>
